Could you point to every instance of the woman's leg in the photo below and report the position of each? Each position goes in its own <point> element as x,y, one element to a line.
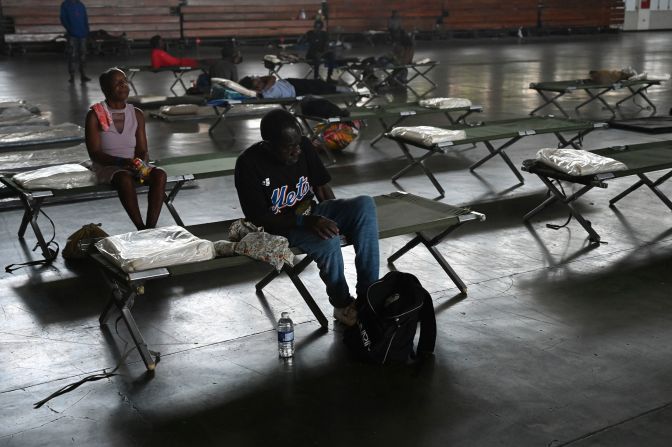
<point>124,183</point>
<point>157,188</point>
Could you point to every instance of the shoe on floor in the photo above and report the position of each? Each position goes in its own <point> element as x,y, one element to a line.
<point>85,79</point>
<point>346,315</point>
<point>71,80</point>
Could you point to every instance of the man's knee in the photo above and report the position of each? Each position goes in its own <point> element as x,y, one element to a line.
<point>364,204</point>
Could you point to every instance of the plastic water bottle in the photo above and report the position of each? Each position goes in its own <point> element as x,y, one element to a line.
<point>285,336</point>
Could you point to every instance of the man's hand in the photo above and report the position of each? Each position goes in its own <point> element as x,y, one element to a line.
<point>321,226</point>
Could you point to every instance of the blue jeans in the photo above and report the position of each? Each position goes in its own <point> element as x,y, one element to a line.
<point>357,221</point>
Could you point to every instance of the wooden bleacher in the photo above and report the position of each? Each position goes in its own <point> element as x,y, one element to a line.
<point>38,20</point>
<point>204,19</point>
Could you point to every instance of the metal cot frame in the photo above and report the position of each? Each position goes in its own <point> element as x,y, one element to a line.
<point>177,71</point>
<point>180,170</point>
<point>511,130</point>
<point>640,160</point>
<point>552,91</point>
<point>431,222</point>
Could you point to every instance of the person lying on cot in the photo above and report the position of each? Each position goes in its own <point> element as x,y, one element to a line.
<point>117,145</point>
<point>284,187</point>
<point>161,58</point>
<point>272,87</point>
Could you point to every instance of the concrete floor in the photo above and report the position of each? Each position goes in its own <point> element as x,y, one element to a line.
<point>557,343</point>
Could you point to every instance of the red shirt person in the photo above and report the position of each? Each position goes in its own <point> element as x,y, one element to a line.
<point>161,58</point>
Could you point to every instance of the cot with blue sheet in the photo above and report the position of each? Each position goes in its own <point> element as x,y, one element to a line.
<point>398,214</point>
<point>179,170</point>
<point>552,91</point>
<point>511,130</point>
<point>640,160</point>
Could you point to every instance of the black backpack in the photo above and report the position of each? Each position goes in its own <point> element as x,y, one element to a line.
<point>388,319</point>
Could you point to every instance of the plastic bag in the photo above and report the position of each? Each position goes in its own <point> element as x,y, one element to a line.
<point>65,176</point>
<point>577,162</point>
<point>154,248</point>
<point>445,103</point>
<point>337,136</point>
<point>428,135</point>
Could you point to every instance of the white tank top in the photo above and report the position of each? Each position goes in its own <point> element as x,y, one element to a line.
<point>120,144</point>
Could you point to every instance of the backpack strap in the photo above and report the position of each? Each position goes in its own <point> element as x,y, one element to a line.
<point>427,339</point>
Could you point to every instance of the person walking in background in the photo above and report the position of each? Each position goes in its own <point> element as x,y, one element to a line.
<point>76,24</point>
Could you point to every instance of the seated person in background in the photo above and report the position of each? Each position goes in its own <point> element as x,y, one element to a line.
<point>117,144</point>
<point>318,50</point>
<point>160,58</point>
<point>271,87</point>
<point>226,66</point>
<point>280,181</point>
<point>219,68</point>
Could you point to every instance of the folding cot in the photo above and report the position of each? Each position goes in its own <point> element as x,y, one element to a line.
<point>177,71</point>
<point>222,107</point>
<point>388,75</point>
<point>275,66</point>
<point>552,91</point>
<point>179,170</point>
<point>397,113</point>
<point>511,130</point>
<point>154,102</point>
<point>640,159</point>
<point>35,135</point>
<point>398,214</point>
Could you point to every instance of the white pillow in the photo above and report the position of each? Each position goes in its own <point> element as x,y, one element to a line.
<point>428,135</point>
<point>180,109</point>
<point>445,103</point>
<point>65,176</point>
<point>577,162</point>
<point>232,85</point>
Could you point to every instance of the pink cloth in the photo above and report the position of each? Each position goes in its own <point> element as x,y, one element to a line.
<point>103,115</point>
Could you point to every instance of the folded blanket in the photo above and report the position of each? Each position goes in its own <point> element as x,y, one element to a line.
<point>155,248</point>
<point>428,135</point>
<point>577,162</point>
<point>64,176</point>
<point>445,103</point>
<point>232,85</point>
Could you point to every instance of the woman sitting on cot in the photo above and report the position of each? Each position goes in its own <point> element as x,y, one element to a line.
<point>117,144</point>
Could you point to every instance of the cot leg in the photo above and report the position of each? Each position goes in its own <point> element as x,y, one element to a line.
<point>418,162</point>
<point>124,302</point>
<point>168,201</point>
<point>386,128</point>
<point>305,294</point>
<point>548,100</point>
<point>129,78</point>
<point>652,185</point>
<point>539,208</point>
<point>405,249</point>
<point>447,268</point>
<point>568,201</point>
<point>499,151</point>
<point>31,213</point>
<point>598,97</point>
<point>298,268</point>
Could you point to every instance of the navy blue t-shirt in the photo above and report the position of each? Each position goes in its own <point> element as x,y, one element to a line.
<point>266,186</point>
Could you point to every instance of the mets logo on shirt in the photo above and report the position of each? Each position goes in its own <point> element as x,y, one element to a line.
<point>283,197</point>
